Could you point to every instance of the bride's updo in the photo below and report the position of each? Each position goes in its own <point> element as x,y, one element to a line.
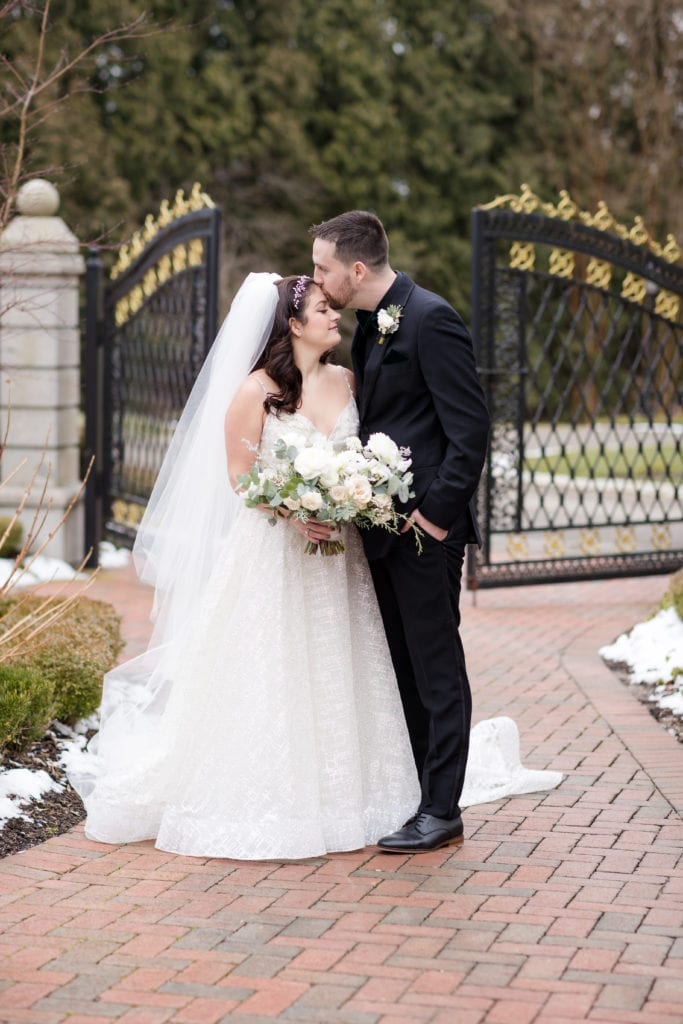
<point>277,358</point>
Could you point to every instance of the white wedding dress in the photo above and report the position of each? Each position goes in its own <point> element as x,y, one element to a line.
<point>283,735</point>
<point>275,728</point>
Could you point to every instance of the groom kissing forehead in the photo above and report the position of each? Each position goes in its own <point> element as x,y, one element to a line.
<point>417,382</point>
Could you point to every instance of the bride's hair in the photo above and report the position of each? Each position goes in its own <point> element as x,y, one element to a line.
<point>278,358</point>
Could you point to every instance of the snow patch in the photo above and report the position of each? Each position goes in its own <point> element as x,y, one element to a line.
<point>653,653</point>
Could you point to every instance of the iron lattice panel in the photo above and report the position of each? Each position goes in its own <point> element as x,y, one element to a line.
<point>583,477</point>
<point>155,358</point>
<point>160,320</point>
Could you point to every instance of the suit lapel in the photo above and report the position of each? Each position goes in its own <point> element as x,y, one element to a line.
<point>399,295</point>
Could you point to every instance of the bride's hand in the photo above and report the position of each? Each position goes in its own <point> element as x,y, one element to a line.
<point>313,530</point>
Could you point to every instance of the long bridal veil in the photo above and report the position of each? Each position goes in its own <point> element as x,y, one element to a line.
<point>188,516</point>
<point>192,504</point>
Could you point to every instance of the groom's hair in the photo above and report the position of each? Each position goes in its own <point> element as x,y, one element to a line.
<point>358,235</point>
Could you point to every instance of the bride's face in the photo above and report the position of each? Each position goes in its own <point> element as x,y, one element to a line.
<point>320,329</point>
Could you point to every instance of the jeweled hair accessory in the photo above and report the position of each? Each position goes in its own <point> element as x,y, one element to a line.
<point>299,290</point>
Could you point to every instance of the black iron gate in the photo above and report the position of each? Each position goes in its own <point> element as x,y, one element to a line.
<point>578,324</point>
<point>147,334</point>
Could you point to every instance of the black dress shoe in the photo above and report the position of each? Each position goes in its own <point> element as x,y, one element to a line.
<point>422,834</point>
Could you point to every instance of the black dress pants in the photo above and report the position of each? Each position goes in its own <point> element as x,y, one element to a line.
<point>419,598</point>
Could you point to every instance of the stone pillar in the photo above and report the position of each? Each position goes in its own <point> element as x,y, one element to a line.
<point>40,270</point>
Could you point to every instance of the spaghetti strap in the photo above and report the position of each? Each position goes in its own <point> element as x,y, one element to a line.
<point>263,386</point>
<point>346,379</point>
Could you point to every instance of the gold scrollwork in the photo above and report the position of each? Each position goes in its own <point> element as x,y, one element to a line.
<point>119,510</point>
<point>182,205</point>
<point>517,547</point>
<point>164,269</point>
<point>562,263</point>
<point>602,219</point>
<point>599,273</point>
<point>625,539</point>
<point>149,282</point>
<point>179,259</point>
<point>195,253</point>
<point>670,252</point>
<point>522,256</point>
<point>667,305</point>
<point>122,311</point>
<point>660,536</point>
<point>633,288</point>
<point>589,542</point>
<point>127,513</point>
<point>554,545</point>
<point>136,297</point>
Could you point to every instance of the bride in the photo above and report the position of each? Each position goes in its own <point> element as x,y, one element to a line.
<point>264,721</point>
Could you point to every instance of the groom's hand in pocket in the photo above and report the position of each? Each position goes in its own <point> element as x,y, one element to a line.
<point>437,532</point>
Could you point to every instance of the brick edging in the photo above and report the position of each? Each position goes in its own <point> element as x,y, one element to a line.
<point>649,742</point>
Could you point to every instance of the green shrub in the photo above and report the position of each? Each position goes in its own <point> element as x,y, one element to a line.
<point>13,540</point>
<point>26,705</point>
<point>72,654</point>
<point>674,593</point>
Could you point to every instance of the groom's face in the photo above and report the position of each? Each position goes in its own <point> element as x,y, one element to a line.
<point>335,278</point>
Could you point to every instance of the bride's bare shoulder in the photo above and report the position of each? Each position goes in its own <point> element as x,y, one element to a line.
<point>250,395</point>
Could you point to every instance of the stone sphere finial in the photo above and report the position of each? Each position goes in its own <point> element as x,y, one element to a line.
<point>38,198</point>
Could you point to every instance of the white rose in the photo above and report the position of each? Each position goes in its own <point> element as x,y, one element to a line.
<point>311,500</point>
<point>360,491</point>
<point>385,321</point>
<point>381,446</point>
<point>339,494</point>
<point>311,462</point>
<point>293,504</point>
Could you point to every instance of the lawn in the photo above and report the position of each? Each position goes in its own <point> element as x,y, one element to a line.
<point>663,461</point>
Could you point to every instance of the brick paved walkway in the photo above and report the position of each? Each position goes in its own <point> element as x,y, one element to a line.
<point>560,907</point>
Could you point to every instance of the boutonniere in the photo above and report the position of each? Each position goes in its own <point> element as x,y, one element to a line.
<point>388,321</point>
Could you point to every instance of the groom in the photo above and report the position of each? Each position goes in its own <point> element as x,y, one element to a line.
<point>417,382</point>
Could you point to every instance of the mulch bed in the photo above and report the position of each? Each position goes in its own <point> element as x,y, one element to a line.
<point>53,814</point>
<point>671,722</point>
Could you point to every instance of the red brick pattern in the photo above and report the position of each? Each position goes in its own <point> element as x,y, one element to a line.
<point>560,907</point>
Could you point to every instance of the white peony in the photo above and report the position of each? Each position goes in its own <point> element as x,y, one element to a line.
<point>360,491</point>
<point>379,471</point>
<point>382,447</point>
<point>348,462</point>
<point>312,462</point>
<point>311,501</point>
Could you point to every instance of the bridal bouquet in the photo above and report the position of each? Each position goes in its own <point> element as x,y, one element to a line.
<point>356,484</point>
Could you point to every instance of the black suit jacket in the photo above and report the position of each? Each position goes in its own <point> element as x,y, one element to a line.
<point>421,388</point>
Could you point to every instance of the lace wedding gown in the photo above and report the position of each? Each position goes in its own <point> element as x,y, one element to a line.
<point>283,735</point>
<point>274,729</point>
